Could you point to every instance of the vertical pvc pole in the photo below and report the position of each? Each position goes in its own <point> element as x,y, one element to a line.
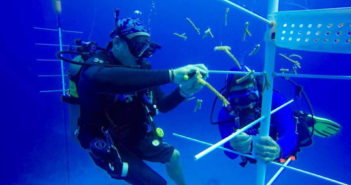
<point>61,61</point>
<point>268,93</point>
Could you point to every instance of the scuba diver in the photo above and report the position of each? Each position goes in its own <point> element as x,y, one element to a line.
<point>119,95</point>
<point>290,130</point>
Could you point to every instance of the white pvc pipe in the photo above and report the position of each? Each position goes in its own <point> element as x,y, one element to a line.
<point>220,143</point>
<point>231,136</point>
<point>333,77</point>
<point>276,175</point>
<point>61,61</point>
<point>47,60</point>
<point>310,174</point>
<point>234,72</point>
<point>45,76</point>
<point>267,95</point>
<point>210,144</point>
<point>51,91</point>
<point>273,163</point>
<point>248,12</point>
<point>51,29</point>
<point>52,45</point>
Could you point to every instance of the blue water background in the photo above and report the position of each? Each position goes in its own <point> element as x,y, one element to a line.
<point>33,150</point>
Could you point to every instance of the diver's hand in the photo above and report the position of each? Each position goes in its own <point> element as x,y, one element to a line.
<point>190,71</point>
<point>266,149</point>
<point>242,143</point>
<point>190,87</point>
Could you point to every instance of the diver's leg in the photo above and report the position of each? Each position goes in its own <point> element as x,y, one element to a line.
<point>123,164</point>
<point>141,174</point>
<point>174,169</point>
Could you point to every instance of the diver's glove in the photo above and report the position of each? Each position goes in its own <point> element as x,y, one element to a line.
<point>242,143</point>
<point>178,75</point>
<point>190,87</point>
<point>266,149</point>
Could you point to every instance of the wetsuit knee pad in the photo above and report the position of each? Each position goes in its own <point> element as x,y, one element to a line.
<point>106,156</point>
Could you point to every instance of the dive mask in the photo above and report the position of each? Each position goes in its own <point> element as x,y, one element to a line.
<point>142,46</point>
<point>247,98</point>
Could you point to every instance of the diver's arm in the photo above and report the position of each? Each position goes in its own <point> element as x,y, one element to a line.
<point>124,80</point>
<point>226,129</point>
<point>169,102</point>
<point>286,127</point>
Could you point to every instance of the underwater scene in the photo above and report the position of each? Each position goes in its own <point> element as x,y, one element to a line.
<point>154,92</point>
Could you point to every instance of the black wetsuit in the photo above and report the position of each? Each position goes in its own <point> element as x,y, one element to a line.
<point>116,98</point>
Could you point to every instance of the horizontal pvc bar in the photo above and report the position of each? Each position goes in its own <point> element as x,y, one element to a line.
<point>239,131</point>
<point>47,60</point>
<point>231,136</point>
<point>53,45</point>
<point>276,175</point>
<point>54,29</point>
<point>44,76</point>
<point>309,173</point>
<point>282,106</point>
<point>210,144</point>
<point>51,91</point>
<point>248,12</point>
<point>333,77</point>
<point>234,72</point>
<point>273,163</point>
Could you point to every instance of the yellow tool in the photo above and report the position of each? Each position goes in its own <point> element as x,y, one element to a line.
<point>203,82</point>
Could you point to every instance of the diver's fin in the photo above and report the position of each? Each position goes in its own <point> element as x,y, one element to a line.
<point>325,127</point>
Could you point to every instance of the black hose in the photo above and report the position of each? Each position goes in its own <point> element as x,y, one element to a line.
<point>60,53</point>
